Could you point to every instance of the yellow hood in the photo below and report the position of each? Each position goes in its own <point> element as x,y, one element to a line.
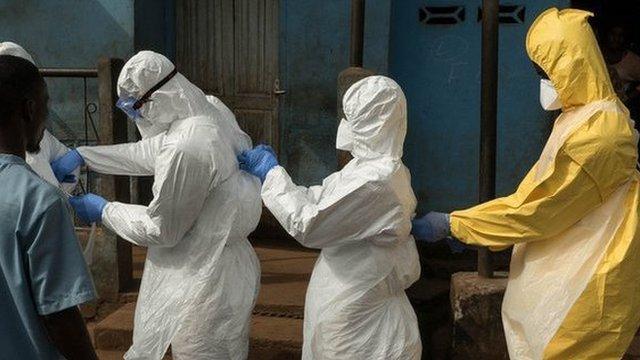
<point>562,43</point>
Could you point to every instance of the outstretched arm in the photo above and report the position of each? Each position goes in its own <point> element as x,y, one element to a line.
<point>344,209</point>
<point>588,168</point>
<point>68,332</point>
<point>132,159</point>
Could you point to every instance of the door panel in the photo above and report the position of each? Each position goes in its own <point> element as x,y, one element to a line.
<point>199,51</point>
<point>256,123</point>
<point>250,48</point>
<point>229,48</point>
<point>255,67</point>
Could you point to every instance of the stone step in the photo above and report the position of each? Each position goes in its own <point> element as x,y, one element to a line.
<point>285,276</point>
<point>110,355</point>
<point>276,331</point>
<point>271,337</point>
<point>116,331</point>
<point>284,281</point>
<point>275,338</point>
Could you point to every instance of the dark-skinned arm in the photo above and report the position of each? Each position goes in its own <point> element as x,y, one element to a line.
<point>68,333</point>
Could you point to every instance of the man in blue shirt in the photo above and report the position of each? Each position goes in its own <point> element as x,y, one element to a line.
<point>43,276</point>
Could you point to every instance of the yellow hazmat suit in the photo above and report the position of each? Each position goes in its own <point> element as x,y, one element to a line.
<point>574,283</point>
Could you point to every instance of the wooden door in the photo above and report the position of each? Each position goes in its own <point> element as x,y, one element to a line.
<point>229,48</point>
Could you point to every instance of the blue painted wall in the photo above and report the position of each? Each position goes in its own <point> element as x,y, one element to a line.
<point>69,33</point>
<point>438,67</point>
<point>314,49</point>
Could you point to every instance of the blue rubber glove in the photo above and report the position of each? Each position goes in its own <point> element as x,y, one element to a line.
<point>258,161</point>
<point>66,164</point>
<point>432,227</point>
<point>267,148</point>
<point>88,207</point>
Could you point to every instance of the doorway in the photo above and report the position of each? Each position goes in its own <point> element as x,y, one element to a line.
<point>229,48</point>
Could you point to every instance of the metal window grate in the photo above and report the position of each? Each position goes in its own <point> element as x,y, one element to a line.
<point>509,14</point>
<point>441,15</point>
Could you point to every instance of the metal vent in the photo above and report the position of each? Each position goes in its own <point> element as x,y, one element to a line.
<point>509,14</point>
<point>441,15</point>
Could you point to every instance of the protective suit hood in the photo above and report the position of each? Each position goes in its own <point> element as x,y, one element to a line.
<point>375,111</point>
<point>9,48</point>
<point>177,99</point>
<point>562,43</point>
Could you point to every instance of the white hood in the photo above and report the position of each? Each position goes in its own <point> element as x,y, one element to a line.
<point>177,99</point>
<point>375,111</point>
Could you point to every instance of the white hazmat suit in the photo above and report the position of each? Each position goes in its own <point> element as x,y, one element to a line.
<point>50,147</point>
<point>201,275</point>
<point>356,306</point>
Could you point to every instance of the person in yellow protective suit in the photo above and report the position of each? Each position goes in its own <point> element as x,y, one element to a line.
<point>574,289</point>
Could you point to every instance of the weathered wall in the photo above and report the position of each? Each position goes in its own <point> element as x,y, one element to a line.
<point>314,48</point>
<point>438,66</point>
<point>69,33</point>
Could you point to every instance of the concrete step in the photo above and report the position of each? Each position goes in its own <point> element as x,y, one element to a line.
<point>271,337</point>
<point>275,338</point>
<point>285,276</point>
<point>276,330</point>
<point>284,281</point>
<point>116,331</point>
<point>110,355</point>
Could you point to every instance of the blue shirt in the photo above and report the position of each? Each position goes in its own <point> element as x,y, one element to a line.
<point>42,270</point>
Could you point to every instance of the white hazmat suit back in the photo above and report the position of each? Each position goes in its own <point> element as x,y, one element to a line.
<point>201,276</point>
<point>356,306</point>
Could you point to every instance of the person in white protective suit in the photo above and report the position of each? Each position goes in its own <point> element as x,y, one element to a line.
<point>50,147</point>
<point>356,306</point>
<point>201,276</point>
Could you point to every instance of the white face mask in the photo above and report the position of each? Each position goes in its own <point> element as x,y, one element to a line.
<point>549,98</point>
<point>344,136</point>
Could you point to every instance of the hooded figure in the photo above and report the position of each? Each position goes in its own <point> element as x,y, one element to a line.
<point>201,275</point>
<point>573,285</point>
<point>356,306</point>
<point>50,147</point>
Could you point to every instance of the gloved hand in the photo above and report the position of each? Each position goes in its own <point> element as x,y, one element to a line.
<point>88,207</point>
<point>66,164</point>
<point>432,227</point>
<point>258,161</point>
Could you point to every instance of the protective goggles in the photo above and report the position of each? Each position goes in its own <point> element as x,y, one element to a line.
<point>131,106</point>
